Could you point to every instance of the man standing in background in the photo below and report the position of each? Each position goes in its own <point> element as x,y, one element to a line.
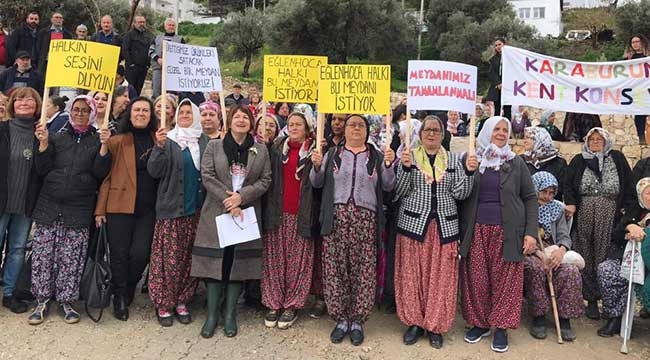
<point>24,38</point>
<point>155,54</point>
<point>135,50</point>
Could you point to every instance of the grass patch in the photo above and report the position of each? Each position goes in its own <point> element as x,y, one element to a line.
<point>197,40</point>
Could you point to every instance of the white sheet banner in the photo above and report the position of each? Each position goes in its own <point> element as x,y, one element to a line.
<point>441,85</point>
<point>191,68</point>
<point>619,87</point>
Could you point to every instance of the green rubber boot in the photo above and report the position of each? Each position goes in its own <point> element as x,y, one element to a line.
<point>230,316</point>
<point>215,292</point>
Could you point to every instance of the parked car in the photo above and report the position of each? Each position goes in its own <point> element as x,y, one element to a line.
<point>578,35</point>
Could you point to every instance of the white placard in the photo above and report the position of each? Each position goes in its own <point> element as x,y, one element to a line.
<point>618,87</point>
<point>191,68</point>
<point>441,85</point>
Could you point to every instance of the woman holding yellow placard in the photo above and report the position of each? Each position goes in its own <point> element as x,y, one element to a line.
<point>353,177</point>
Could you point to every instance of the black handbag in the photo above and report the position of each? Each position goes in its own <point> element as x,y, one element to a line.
<point>96,286</point>
<point>23,289</point>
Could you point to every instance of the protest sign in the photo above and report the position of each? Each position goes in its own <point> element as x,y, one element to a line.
<point>354,89</point>
<point>292,78</point>
<point>441,85</point>
<point>82,64</point>
<point>191,68</point>
<point>619,87</point>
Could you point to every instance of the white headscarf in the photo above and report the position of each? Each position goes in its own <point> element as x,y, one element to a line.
<point>489,155</point>
<point>189,137</point>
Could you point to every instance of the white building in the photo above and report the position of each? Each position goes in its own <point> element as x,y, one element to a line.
<point>544,15</point>
<point>183,10</point>
<point>573,4</point>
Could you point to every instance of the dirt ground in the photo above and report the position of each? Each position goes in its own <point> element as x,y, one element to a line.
<point>142,338</point>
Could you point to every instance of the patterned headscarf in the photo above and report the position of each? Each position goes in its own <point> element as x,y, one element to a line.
<point>548,213</point>
<point>595,160</point>
<point>543,147</point>
<point>543,120</point>
<point>489,155</point>
<point>92,120</point>
<point>640,186</point>
<point>306,147</point>
<point>188,137</point>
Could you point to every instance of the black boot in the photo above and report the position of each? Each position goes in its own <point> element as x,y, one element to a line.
<point>592,311</point>
<point>612,327</point>
<point>120,309</point>
<point>230,317</point>
<point>214,292</point>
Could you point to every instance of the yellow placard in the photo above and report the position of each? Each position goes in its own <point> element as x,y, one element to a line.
<point>82,64</point>
<point>292,78</point>
<point>354,89</point>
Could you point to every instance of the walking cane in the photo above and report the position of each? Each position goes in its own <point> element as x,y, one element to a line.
<point>629,309</point>
<point>556,316</point>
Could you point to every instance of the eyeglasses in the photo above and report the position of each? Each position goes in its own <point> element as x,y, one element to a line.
<point>356,125</point>
<point>432,131</point>
<point>80,111</point>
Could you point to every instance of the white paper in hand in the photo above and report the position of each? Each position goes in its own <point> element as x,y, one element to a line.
<point>233,231</point>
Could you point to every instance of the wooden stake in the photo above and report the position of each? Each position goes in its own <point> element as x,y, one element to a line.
<point>472,135</point>
<point>407,136</point>
<point>107,113</point>
<point>46,98</point>
<point>389,135</point>
<point>224,113</point>
<point>163,87</point>
<point>263,120</point>
<point>320,130</point>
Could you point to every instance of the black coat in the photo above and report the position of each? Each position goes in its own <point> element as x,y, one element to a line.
<point>575,171</point>
<point>274,196</point>
<point>21,39</point>
<point>556,166</point>
<point>135,47</point>
<point>34,182</point>
<point>43,47</point>
<point>494,74</point>
<point>72,171</point>
<point>633,211</point>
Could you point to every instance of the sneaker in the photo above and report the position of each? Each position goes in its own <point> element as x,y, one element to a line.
<point>70,315</point>
<point>183,314</point>
<point>40,312</point>
<point>271,318</point>
<point>318,310</point>
<point>475,334</point>
<point>165,317</point>
<point>287,319</point>
<point>500,341</point>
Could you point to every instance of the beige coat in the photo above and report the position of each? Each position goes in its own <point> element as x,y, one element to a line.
<point>207,255</point>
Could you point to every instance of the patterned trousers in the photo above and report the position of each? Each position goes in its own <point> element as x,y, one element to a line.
<point>287,264</point>
<point>567,283</point>
<point>593,239</point>
<point>349,260</point>
<point>58,257</point>
<point>170,283</point>
<point>492,288</point>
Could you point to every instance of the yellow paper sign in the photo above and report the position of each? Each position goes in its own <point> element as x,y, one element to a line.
<point>82,64</point>
<point>292,78</point>
<point>354,89</point>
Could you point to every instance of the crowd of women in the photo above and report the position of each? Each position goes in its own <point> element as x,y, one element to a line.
<point>346,222</point>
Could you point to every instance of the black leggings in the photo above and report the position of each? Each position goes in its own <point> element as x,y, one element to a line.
<point>129,239</point>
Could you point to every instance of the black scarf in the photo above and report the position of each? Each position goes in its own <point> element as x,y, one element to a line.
<point>237,154</point>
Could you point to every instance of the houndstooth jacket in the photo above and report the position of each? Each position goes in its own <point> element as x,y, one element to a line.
<point>416,196</point>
